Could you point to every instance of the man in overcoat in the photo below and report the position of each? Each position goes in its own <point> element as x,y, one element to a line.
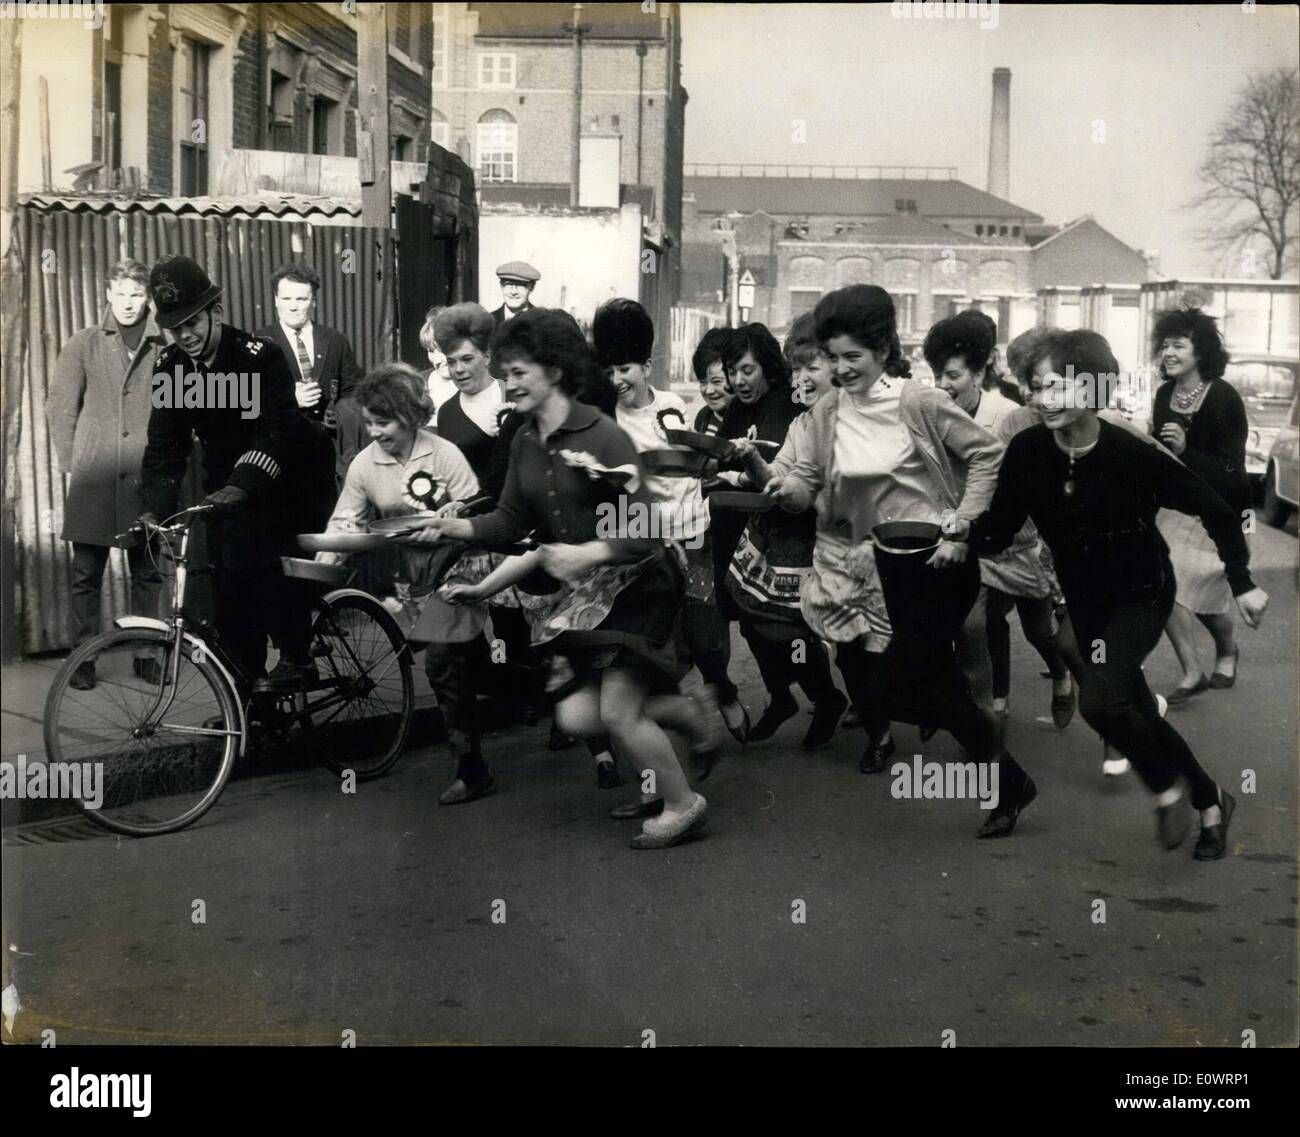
<point>98,414</point>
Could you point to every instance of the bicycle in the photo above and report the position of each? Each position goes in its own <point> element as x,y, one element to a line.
<point>165,719</point>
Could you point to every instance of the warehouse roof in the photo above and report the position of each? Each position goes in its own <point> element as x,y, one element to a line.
<point>850,197</point>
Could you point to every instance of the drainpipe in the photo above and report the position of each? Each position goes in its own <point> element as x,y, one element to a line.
<point>577,105</point>
<point>640,101</point>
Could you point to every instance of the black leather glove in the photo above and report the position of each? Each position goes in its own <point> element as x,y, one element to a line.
<point>227,497</point>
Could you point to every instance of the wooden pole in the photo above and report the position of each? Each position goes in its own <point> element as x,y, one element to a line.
<point>373,139</point>
<point>13,328</point>
<point>47,170</point>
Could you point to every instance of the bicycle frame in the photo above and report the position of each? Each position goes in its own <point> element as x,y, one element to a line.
<point>183,638</point>
<point>207,641</point>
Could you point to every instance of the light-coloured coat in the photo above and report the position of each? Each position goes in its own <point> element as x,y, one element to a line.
<point>98,410</point>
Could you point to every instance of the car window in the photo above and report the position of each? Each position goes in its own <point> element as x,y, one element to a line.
<point>1267,389</point>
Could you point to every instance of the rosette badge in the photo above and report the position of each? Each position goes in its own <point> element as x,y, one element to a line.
<point>424,491</point>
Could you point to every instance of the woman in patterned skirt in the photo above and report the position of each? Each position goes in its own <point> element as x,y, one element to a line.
<point>775,549</point>
<point>1200,418</point>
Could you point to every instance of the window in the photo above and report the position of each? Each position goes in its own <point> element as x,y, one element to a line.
<point>905,308</point>
<point>441,32</point>
<point>498,143</point>
<point>1015,230</point>
<point>613,122</point>
<point>400,21</point>
<point>193,100</point>
<point>1002,231</point>
<point>113,96</point>
<point>280,121</point>
<point>323,116</point>
<point>803,300</point>
<point>403,148</point>
<point>979,230</point>
<point>496,71</point>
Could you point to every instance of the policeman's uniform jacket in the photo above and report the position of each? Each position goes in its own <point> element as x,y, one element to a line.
<point>279,458</point>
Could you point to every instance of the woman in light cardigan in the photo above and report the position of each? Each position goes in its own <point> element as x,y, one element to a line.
<point>874,449</point>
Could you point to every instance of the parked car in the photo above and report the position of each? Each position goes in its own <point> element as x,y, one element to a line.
<point>1282,474</point>
<point>1267,385</point>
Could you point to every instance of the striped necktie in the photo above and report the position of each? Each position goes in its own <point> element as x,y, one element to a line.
<point>304,360</point>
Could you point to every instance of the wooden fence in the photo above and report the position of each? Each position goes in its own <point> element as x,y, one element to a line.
<point>688,328</point>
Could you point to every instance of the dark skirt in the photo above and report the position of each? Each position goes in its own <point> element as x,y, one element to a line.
<point>640,631</point>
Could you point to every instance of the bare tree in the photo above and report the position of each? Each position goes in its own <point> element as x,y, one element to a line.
<point>1251,176</point>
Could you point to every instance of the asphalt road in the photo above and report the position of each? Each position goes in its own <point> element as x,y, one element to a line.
<point>374,912</point>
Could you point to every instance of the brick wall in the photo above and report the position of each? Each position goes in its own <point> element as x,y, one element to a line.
<point>247,101</point>
<point>159,173</point>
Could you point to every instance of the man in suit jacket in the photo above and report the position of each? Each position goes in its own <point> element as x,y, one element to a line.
<point>517,279</point>
<point>320,358</point>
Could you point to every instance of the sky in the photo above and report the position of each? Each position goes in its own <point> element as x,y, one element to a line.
<point>1111,106</point>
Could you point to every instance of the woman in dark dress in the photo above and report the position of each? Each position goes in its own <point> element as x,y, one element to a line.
<point>1093,491</point>
<point>612,626</point>
<point>774,551</point>
<point>1200,417</point>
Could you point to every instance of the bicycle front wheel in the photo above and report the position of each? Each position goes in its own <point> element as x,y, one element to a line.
<point>151,755</point>
<point>360,710</point>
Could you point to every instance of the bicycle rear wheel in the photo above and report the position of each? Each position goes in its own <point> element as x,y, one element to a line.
<point>148,757</point>
<point>360,710</point>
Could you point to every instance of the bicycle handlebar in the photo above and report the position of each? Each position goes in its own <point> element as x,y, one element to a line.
<point>175,522</point>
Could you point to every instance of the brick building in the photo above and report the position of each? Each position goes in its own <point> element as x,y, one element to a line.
<point>936,243</point>
<point>505,94</point>
<point>185,99</point>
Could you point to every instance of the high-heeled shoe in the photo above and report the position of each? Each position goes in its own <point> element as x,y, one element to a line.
<point>740,733</point>
<point>1002,821</point>
<point>1213,841</point>
<point>876,756</point>
<point>1063,708</point>
<point>770,721</point>
<point>822,728</point>
<point>1221,682</point>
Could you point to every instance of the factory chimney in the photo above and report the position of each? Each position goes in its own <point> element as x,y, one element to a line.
<point>999,183</point>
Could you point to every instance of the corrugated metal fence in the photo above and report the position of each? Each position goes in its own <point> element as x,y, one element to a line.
<point>67,255</point>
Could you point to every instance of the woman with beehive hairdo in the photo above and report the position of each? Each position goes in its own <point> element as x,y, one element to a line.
<point>624,340</point>
<point>774,551</point>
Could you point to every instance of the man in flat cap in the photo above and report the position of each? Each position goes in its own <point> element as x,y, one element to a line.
<point>268,468</point>
<point>518,279</point>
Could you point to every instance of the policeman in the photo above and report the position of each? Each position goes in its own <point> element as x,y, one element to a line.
<point>264,462</point>
<point>518,279</point>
